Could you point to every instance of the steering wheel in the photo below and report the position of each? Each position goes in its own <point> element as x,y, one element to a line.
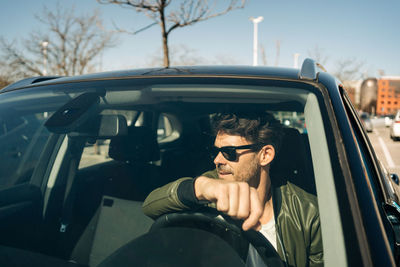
<point>228,229</point>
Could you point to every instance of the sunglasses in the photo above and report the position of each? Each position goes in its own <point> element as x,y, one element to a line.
<point>229,152</point>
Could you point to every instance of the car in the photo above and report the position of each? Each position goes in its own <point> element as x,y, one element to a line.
<point>389,120</point>
<point>98,144</point>
<point>366,119</point>
<point>395,127</point>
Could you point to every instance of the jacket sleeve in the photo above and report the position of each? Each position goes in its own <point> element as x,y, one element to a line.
<point>164,200</point>
<point>175,196</point>
<point>316,254</point>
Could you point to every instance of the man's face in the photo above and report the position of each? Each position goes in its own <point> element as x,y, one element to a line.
<point>246,167</point>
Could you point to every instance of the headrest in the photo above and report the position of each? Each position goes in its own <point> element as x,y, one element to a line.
<point>140,145</point>
<point>289,159</point>
<point>293,162</point>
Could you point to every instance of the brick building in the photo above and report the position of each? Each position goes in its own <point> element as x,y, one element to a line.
<point>388,95</point>
<point>377,96</point>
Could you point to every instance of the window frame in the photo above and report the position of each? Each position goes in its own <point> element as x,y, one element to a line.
<point>372,173</point>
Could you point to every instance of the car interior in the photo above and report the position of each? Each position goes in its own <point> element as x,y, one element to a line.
<point>76,187</point>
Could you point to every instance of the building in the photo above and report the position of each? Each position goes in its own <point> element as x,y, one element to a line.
<point>353,91</point>
<point>368,95</point>
<point>388,95</point>
<point>377,96</point>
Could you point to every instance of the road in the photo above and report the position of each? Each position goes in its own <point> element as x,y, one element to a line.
<point>387,150</point>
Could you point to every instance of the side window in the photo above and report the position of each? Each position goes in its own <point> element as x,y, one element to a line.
<point>164,128</point>
<point>378,180</point>
<point>96,153</point>
<point>292,119</point>
<point>369,160</point>
<point>22,139</point>
<point>363,144</point>
<point>168,128</point>
<point>11,124</point>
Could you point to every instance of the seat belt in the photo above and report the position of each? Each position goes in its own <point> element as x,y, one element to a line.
<point>67,212</point>
<point>69,196</point>
<point>71,186</point>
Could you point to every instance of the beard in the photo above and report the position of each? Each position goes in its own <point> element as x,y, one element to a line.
<point>249,173</point>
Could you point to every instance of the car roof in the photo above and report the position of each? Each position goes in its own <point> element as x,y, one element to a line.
<point>308,71</point>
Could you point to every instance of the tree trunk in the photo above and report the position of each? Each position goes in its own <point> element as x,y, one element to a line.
<point>165,50</point>
<point>164,35</point>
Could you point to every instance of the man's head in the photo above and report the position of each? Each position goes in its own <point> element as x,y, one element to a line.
<point>245,143</point>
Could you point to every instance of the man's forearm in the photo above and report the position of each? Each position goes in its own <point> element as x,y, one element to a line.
<point>175,196</point>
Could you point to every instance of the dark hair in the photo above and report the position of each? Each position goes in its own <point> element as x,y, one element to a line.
<point>257,127</point>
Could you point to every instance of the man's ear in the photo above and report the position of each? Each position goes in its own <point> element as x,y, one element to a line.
<point>266,155</point>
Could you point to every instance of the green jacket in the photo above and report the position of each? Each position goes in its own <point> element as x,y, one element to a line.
<point>299,240</point>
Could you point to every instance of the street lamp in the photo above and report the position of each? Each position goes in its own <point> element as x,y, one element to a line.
<point>296,60</point>
<point>255,39</point>
<point>44,46</point>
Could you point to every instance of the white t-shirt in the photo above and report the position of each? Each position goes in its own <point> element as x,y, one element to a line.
<point>268,230</point>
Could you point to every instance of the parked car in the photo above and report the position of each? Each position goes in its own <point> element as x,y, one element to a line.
<point>389,120</point>
<point>366,119</point>
<point>80,202</point>
<point>395,127</point>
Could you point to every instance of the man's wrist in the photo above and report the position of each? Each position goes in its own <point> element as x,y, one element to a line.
<point>187,195</point>
<point>198,183</point>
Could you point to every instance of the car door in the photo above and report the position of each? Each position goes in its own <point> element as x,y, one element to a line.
<point>387,206</point>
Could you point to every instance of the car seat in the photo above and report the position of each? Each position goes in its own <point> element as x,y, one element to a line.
<point>133,175</point>
<point>129,179</point>
<point>293,162</point>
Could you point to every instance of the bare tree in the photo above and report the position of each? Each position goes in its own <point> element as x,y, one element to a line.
<point>4,77</point>
<point>180,55</point>
<point>348,69</point>
<point>224,59</point>
<point>278,52</point>
<point>69,46</point>
<point>318,55</point>
<point>4,81</point>
<point>188,12</point>
<point>263,55</point>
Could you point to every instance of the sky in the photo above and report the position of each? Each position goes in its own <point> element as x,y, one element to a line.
<point>365,31</point>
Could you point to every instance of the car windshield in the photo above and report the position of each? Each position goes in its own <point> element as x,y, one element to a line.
<point>131,137</point>
<point>23,134</point>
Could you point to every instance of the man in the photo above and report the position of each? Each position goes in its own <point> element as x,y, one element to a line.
<point>240,186</point>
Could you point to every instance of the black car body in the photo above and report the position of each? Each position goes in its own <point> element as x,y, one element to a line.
<point>106,140</point>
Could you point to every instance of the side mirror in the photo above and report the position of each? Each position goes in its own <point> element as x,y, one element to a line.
<point>393,215</point>
<point>395,178</point>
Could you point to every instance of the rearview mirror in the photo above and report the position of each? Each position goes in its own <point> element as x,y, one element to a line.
<point>102,127</point>
<point>74,113</point>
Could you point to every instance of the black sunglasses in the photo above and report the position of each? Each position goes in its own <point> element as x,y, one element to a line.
<point>229,152</point>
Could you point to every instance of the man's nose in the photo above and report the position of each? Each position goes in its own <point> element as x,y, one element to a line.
<point>219,159</point>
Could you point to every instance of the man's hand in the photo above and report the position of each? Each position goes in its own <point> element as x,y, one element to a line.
<point>236,199</point>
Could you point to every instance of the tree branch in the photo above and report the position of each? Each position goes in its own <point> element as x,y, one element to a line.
<point>74,42</point>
